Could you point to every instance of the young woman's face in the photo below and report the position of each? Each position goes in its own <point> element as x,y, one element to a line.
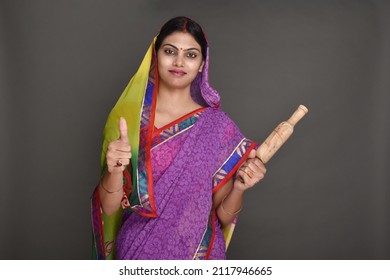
<point>179,60</point>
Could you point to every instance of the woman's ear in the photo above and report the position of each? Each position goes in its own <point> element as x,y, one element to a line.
<point>201,66</point>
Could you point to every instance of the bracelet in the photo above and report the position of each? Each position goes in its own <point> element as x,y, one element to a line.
<point>228,213</point>
<point>101,184</point>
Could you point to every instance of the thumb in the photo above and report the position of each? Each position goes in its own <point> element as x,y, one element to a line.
<point>123,130</point>
<point>252,154</point>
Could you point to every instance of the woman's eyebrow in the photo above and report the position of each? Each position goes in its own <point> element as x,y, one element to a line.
<point>192,49</point>
<point>173,46</point>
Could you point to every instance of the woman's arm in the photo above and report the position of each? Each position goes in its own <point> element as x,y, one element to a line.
<point>228,200</point>
<point>111,184</point>
<point>232,201</point>
<point>111,192</point>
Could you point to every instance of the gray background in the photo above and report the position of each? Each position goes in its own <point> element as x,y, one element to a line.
<point>326,193</point>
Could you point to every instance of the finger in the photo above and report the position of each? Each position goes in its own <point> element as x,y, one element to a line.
<point>255,168</point>
<point>248,171</point>
<point>261,167</point>
<point>254,173</point>
<point>113,161</point>
<point>123,130</point>
<point>244,177</point>
<point>258,172</point>
<point>118,145</point>
<point>251,166</point>
<point>257,164</point>
<point>239,177</point>
<point>124,161</point>
<point>252,154</point>
<point>120,148</point>
<point>120,162</point>
<point>120,155</point>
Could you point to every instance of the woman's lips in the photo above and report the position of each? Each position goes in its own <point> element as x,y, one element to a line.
<point>177,73</point>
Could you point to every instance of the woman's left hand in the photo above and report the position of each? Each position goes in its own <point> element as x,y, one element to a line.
<point>251,172</point>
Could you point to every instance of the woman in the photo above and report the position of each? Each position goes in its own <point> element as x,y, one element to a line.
<point>174,166</point>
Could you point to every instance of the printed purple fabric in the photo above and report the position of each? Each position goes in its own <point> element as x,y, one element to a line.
<point>183,168</point>
<point>201,91</point>
<point>194,158</point>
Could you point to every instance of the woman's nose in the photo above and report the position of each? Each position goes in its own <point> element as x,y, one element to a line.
<point>179,61</point>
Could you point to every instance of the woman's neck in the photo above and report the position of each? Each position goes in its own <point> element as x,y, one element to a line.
<point>174,101</point>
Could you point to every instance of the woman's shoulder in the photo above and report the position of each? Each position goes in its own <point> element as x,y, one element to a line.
<point>218,115</point>
<point>224,129</point>
<point>221,122</point>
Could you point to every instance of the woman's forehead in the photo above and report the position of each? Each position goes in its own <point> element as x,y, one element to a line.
<point>181,40</point>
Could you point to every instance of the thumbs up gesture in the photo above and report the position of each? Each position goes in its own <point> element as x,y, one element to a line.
<point>119,151</point>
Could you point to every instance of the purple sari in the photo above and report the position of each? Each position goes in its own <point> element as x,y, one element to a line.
<point>168,211</point>
<point>183,170</point>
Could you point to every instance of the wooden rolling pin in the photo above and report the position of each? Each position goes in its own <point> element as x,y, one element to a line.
<point>279,136</point>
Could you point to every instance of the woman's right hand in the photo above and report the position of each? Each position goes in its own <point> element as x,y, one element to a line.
<point>119,151</point>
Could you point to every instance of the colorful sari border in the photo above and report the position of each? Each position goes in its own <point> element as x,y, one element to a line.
<point>175,128</point>
<point>206,244</point>
<point>144,204</point>
<point>179,120</point>
<point>230,166</point>
<point>97,223</point>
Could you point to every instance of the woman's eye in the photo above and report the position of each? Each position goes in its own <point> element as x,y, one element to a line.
<point>191,55</point>
<point>169,52</point>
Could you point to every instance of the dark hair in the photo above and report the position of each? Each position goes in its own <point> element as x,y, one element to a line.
<point>182,24</point>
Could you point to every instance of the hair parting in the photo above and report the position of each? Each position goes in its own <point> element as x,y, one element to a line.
<point>185,25</point>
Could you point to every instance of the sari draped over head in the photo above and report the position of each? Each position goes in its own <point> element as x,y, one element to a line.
<point>167,209</point>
